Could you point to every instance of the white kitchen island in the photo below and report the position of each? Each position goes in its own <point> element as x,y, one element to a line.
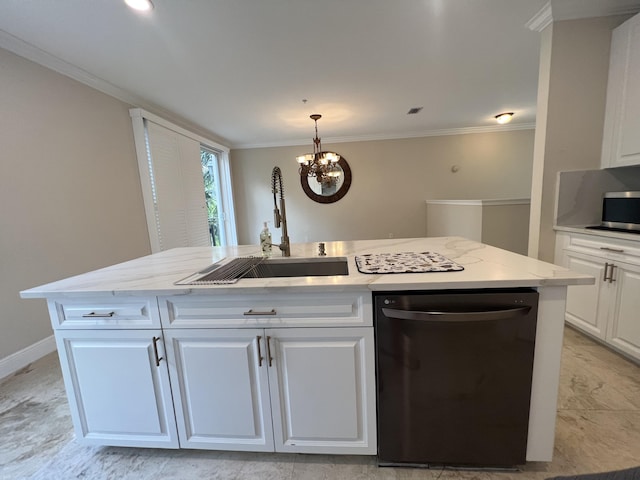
<point>272,364</point>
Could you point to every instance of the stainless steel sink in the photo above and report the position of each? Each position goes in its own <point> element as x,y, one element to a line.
<point>300,267</point>
<point>230,271</point>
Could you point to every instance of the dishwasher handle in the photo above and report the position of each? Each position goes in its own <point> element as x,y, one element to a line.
<point>444,316</point>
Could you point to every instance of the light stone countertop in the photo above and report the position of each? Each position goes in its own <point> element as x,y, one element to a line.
<point>484,267</point>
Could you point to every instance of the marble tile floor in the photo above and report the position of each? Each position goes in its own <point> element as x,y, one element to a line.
<point>598,429</point>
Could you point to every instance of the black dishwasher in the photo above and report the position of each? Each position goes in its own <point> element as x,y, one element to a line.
<point>454,376</point>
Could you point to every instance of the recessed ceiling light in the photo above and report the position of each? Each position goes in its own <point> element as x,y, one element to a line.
<point>142,5</point>
<point>503,118</point>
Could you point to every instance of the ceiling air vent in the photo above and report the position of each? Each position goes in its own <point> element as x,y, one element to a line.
<point>414,110</point>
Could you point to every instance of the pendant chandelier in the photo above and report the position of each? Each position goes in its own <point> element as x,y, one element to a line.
<point>323,166</point>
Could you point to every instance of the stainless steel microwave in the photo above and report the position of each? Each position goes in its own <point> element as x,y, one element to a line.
<point>621,211</point>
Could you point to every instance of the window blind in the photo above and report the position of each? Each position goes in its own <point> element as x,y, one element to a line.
<point>178,188</point>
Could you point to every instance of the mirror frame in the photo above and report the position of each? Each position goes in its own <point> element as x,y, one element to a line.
<point>344,188</point>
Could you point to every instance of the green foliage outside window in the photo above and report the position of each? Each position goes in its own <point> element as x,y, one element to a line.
<point>208,164</point>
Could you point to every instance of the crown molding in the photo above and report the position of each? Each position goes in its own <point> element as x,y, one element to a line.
<point>576,9</point>
<point>541,20</point>
<point>626,10</point>
<point>394,136</point>
<point>39,56</point>
<point>558,10</point>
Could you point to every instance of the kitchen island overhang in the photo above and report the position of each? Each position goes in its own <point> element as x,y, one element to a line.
<point>485,267</point>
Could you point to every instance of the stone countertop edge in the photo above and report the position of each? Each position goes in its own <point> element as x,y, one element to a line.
<point>484,267</point>
<point>632,237</point>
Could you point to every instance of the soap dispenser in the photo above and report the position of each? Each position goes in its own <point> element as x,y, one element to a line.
<point>265,241</point>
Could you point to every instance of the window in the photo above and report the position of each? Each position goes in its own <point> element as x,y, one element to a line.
<point>186,185</point>
<point>209,161</point>
<point>214,166</point>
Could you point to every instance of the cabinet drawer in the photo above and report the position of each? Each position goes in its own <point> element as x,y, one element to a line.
<point>239,311</point>
<point>617,249</point>
<point>104,313</point>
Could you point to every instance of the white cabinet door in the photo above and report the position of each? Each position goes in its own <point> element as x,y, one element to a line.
<point>323,390</point>
<point>118,387</point>
<point>625,323</point>
<point>621,139</point>
<point>587,305</point>
<point>312,389</point>
<point>220,388</point>
<point>609,309</point>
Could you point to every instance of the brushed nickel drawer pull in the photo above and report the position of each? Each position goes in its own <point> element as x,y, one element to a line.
<point>155,351</point>
<point>615,250</point>
<point>251,312</point>
<point>260,357</point>
<point>606,269</point>
<point>98,315</point>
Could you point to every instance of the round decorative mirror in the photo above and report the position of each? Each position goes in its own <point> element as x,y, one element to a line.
<point>327,188</point>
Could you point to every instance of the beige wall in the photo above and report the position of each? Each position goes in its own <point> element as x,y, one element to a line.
<point>501,225</point>
<point>391,181</point>
<point>506,226</point>
<point>570,119</point>
<point>70,198</point>
<point>444,220</point>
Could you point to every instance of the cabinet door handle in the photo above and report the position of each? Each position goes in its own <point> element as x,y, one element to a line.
<point>269,350</point>
<point>609,249</point>
<point>260,357</point>
<point>98,315</point>
<point>270,312</point>
<point>611,279</point>
<point>606,269</point>
<point>155,351</point>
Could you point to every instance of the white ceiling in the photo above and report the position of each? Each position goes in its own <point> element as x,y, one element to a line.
<point>241,68</point>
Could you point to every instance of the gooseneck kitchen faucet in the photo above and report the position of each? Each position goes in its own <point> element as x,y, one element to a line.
<point>280,216</point>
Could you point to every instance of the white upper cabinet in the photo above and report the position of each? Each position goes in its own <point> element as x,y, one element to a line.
<point>621,138</point>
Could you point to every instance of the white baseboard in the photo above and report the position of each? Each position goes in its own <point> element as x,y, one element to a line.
<point>24,357</point>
